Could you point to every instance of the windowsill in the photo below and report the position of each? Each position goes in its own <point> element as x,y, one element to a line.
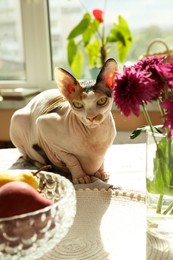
<point>16,98</point>
<point>14,104</point>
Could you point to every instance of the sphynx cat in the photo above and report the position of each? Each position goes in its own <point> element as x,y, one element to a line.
<point>71,126</point>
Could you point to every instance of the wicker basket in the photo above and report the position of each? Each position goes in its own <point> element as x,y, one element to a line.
<point>167,52</point>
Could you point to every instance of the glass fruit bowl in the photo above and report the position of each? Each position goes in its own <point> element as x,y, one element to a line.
<point>31,235</point>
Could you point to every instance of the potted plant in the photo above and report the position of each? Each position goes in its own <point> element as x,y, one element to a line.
<point>89,40</point>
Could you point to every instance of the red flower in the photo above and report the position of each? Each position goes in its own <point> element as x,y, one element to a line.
<point>168,106</point>
<point>132,89</point>
<point>98,14</point>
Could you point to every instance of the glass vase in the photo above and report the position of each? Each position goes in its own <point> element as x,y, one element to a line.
<point>159,184</point>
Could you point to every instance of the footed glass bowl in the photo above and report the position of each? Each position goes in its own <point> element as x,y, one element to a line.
<point>31,235</point>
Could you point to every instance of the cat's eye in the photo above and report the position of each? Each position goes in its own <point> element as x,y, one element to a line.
<point>102,101</point>
<point>77,105</point>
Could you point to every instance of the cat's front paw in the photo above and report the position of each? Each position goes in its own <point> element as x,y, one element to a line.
<point>102,175</point>
<point>82,180</point>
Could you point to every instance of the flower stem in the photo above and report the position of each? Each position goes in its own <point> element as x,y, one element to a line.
<point>159,204</point>
<point>149,123</point>
<point>168,208</point>
<point>160,108</point>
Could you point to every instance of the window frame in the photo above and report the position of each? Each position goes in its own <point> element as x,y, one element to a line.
<point>37,47</point>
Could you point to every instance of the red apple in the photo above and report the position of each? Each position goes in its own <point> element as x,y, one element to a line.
<point>18,198</point>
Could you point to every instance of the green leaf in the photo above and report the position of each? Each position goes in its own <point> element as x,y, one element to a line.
<point>91,30</point>
<point>121,34</point>
<point>138,131</point>
<point>125,28</point>
<point>81,27</point>
<point>122,51</point>
<point>93,50</point>
<point>135,133</point>
<point>125,39</point>
<point>115,35</point>
<point>71,51</point>
<point>78,64</point>
<point>157,130</point>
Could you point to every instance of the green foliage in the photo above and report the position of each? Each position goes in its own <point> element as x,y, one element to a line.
<point>80,28</point>
<point>78,63</point>
<point>89,38</point>
<point>138,131</point>
<point>72,51</point>
<point>162,183</point>
<point>120,33</point>
<point>93,51</point>
<point>90,31</point>
<point>143,129</point>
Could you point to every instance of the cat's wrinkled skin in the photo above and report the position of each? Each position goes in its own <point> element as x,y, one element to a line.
<point>73,124</point>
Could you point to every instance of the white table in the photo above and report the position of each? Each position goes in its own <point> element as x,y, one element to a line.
<point>109,225</point>
<point>125,163</point>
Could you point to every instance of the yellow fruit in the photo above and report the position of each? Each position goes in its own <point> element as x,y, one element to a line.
<point>28,177</point>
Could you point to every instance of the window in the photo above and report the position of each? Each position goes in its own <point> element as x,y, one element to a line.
<point>26,50</point>
<point>33,34</point>
<point>64,15</point>
<point>11,41</point>
<point>147,20</point>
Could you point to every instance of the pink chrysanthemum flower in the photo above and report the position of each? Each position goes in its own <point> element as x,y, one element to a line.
<point>166,70</point>
<point>152,65</point>
<point>168,106</point>
<point>132,89</point>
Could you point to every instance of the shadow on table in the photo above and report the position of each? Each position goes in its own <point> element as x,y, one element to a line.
<point>84,239</point>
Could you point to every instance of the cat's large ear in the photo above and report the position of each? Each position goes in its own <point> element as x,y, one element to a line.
<point>67,84</point>
<point>106,77</point>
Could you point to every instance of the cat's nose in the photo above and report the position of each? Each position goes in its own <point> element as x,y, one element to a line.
<point>91,118</point>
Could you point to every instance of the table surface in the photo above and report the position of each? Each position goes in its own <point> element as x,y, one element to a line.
<point>126,164</point>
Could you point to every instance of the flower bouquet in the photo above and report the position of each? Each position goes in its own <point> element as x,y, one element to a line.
<point>151,80</point>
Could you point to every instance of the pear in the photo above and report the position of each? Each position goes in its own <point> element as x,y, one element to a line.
<point>18,197</point>
<point>28,177</point>
<point>16,175</point>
